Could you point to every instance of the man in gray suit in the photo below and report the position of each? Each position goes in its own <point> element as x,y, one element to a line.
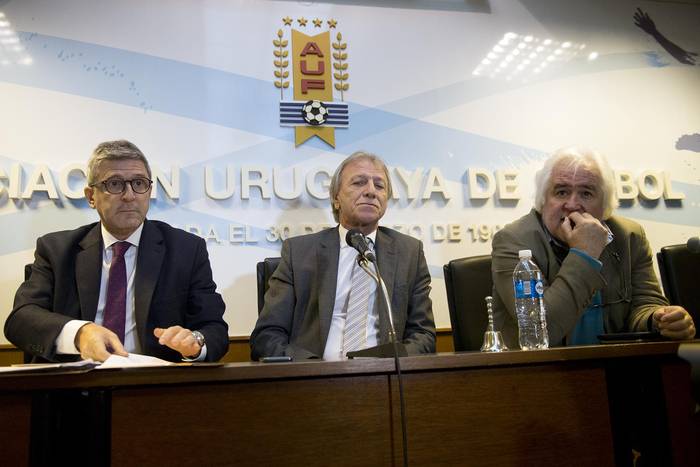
<point>309,307</point>
<point>597,267</point>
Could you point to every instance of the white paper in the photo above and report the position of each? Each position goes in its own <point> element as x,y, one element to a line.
<point>134,360</point>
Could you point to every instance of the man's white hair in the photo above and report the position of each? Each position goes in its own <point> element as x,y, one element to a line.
<point>572,158</point>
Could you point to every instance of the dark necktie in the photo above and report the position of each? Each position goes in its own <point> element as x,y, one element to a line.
<point>115,307</point>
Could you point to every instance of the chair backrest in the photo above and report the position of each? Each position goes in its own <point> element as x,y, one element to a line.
<point>264,270</point>
<point>27,357</point>
<point>468,281</point>
<point>680,269</point>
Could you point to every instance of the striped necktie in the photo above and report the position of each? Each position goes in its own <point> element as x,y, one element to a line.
<point>355,334</point>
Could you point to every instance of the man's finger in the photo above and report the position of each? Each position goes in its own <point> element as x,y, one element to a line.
<point>166,335</point>
<point>566,228</point>
<point>117,347</point>
<point>575,216</point>
<point>101,355</point>
<point>687,333</point>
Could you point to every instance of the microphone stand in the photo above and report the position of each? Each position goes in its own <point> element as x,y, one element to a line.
<point>385,350</point>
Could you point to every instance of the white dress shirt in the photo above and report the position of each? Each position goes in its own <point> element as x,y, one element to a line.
<point>65,343</point>
<point>346,260</point>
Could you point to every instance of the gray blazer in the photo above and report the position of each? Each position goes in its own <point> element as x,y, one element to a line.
<point>296,317</point>
<point>629,287</point>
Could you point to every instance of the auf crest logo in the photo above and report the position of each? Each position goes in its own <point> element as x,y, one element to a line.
<point>313,112</point>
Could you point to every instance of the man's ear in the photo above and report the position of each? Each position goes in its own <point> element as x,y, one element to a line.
<point>90,196</point>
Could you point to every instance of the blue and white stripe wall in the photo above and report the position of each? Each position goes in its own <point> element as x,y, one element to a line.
<point>191,83</point>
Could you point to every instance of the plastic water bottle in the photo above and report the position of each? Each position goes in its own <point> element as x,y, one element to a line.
<point>529,303</point>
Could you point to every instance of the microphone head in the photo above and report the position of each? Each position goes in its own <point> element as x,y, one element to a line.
<point>693,244</point>
<point>351,236</point>
<point>358,241</point>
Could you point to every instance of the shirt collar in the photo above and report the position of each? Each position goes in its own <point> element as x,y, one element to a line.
<point>342,231</point>
<point>108,239</point>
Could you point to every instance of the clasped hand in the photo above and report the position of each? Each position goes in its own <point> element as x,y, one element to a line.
<point>674,322</point>
<point>584,232</point>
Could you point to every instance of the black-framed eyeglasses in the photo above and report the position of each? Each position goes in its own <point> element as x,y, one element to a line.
<point>116,186</point>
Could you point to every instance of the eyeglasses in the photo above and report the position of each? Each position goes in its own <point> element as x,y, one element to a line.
<point>117,186</point>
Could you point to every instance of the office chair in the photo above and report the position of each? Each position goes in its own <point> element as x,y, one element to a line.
<point>680,269</point>
<point>468,281</point>
<point>264,270</point>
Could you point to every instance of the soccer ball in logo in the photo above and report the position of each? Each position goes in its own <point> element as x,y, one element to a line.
<point>314,113</point>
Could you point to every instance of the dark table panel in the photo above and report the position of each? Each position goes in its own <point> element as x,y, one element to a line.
<point>326,421</point>
<point>15,417</point>
<point>538,415</point>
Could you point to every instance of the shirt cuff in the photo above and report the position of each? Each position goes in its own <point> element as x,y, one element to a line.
<point>65,342</point>
<point>595,263</point>
<point>200,358</point>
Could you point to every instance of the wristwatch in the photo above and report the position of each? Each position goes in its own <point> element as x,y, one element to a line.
<point>198,338</point>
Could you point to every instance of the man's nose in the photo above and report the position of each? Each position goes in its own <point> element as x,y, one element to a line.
<point>572,203</point>
<point>370,190</point>
<point>128,193</point>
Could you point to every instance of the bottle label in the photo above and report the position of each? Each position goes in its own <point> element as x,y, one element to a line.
<point>529,289</point>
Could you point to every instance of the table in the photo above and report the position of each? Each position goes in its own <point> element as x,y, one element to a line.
<point>565,406</point>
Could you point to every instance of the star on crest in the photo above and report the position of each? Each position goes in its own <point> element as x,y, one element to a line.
<point>317,23</point>
<point>287,21</point>
<point>332,23</point>
<point>302,21</point>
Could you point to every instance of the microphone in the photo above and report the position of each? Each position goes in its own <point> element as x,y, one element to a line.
<point>693,244</point>
<point>394,348</point>
<point>358,241</point>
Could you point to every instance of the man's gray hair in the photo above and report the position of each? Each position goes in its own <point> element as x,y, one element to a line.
<point>335,181</point>
<point>573,158</point>
<point>113,151</point>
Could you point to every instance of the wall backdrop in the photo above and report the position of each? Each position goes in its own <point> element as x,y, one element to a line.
<point>463,99</point>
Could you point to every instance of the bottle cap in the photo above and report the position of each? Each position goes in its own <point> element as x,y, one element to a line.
<point>525,253</point>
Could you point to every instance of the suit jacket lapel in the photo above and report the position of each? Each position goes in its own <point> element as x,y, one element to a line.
<point>150,258</point>
<point>542,248</point>
<point>88,272</point>
<point>386,258</point>
<point>612,272</point>
<point>327,267</point>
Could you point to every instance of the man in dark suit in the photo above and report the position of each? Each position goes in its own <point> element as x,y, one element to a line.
<point>124,284</point>
<point>314,309</point>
